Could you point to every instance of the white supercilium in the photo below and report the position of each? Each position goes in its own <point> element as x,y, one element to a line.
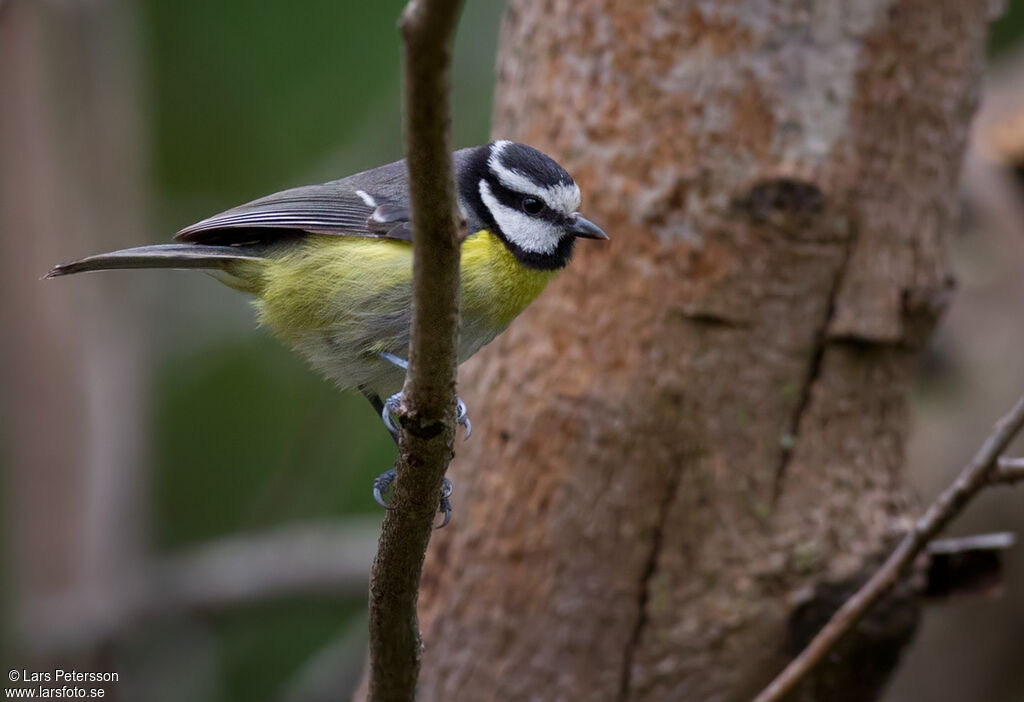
<point>563,198</point>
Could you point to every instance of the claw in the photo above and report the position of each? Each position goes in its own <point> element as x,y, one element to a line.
<point>383,481</point>
<point>381,484</point>
<point>462,417</point>
<point>391,405</point>
<point>445,507</point>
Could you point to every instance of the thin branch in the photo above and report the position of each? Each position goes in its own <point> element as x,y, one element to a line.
<point>329,558</point>
<point>325,558</point>
<point>427,416</point>
<point>977,475</point>
<point>1010,471</point>
<point>967,565</point>
<point>998,541</point>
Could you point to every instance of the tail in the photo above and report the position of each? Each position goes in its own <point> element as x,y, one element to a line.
<point>162,256</point>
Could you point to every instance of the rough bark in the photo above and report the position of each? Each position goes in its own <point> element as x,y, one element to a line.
<point>694,440</point>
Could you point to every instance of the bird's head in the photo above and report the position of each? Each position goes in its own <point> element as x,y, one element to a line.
<point>528,201</point>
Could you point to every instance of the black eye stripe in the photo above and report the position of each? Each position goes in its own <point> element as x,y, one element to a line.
<point>505,196</point>
<point>514,200</point>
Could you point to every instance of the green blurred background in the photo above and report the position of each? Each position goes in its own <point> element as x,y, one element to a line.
<point>242,99</point>
<point>249,98</point>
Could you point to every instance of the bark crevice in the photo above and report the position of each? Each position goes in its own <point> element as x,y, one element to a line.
<point>821,342</point>
<point>644,590</point>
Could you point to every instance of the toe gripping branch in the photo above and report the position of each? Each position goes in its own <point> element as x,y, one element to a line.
<point>388,410</point>
<point>382,483</point>
<point>393,403</point>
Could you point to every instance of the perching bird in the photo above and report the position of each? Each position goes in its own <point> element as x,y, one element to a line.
<point>331,265</point>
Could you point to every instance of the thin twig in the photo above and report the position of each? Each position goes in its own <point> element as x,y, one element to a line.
<point>998,541</point>
<point>1009,472</point>
<point>427,416</point>
<point>949,504</point>
<point>324,558</point>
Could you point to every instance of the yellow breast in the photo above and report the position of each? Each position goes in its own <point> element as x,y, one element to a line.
<point>495,285</point>
<point>347,282</point>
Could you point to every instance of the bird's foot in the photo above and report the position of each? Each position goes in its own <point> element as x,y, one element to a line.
<point>391,406</point>
<point>382,483</point>
<point>393,403</point>
<point>462,417</point>
<point>445,505</point>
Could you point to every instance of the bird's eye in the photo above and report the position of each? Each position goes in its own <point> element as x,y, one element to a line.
<point>532,206</point>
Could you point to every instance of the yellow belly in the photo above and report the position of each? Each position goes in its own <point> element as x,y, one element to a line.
<point>339,300</point>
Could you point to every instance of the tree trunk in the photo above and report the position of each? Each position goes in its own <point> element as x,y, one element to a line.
<point>689,449</point>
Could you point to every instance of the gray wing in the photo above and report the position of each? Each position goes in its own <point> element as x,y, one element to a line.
<point>369,204</point>
<point>373,203</point>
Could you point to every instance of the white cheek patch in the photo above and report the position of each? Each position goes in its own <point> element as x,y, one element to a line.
<point>562,198</point>
<point>526,232</point>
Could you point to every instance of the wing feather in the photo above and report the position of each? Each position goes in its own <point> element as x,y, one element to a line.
<point>331,208</point>
<point>374,204</point>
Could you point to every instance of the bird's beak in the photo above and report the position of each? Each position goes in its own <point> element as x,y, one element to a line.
<point>580,226</point>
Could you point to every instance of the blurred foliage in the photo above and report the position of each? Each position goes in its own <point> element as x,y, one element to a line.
<point>264,646</point>
<point>249,93</point>
<point>1007,29</point>
<point>248,437</point>
<point>247,98</point>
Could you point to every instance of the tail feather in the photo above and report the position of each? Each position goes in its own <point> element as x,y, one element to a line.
<point>160,256</point>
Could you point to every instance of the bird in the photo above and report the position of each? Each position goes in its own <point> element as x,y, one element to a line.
<point>330,265</point>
